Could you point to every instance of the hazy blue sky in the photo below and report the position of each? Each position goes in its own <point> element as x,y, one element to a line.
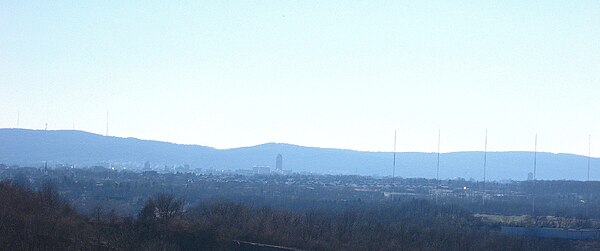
<point>340,74</point>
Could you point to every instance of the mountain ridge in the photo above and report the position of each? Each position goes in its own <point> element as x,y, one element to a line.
<point>32,147</point>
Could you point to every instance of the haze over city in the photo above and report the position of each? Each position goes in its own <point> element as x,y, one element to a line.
<point>300,125</point>
<point>326,74</point>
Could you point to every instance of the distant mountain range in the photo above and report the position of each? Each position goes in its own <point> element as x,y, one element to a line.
<point>34,147</point>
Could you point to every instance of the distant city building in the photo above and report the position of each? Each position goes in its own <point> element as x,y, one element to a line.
<point>529,176</point>
<point>261,169</point>
<point>279,163</point>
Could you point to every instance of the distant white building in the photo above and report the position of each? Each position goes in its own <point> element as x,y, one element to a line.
<point>261,169</point>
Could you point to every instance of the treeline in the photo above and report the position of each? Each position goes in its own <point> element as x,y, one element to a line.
<point>40,220</point>
<point>409,225</point>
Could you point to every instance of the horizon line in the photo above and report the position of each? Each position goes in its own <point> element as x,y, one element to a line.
<point>291,144</point>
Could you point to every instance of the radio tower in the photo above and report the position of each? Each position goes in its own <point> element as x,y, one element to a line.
<point>106,124</point>
<point>437,174</point>
<point>588,174</point>
<point>484,166</point>
<point>534,176</point>
<point>589,156</point>
<point>394,163</point>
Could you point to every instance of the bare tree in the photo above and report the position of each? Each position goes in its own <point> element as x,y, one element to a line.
<point>168,207</point>
<point>162,206</point>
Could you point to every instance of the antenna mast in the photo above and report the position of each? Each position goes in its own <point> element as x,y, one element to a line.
<point>534,176</point>
<point>437,174</point>
<point>484,166</point>
<point>106,123</point>
<point>589,156</point>
<point>394,169</point>
<point>588,174</point>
